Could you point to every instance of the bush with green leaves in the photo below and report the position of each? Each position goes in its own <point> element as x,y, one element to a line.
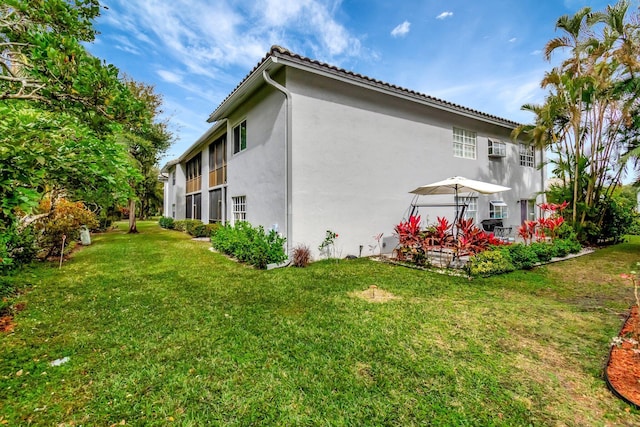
<point>488,263</point>
<point>567,246</point>
<point>523,257</point>
<point>21,244</point>
<point>166,222</point>
<point>250,244</point>
<point>6,262</point>
<point>63,221</point>
<point>204,230</point>
<point>544,251</point>
<point>186,225</point>
<point>634,228</point>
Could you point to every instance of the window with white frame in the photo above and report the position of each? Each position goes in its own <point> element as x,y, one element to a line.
<point>240,137</point>
<point>497,148</point>
<point>498,209</point>
<point>239,208</point>
<point>464,143</point>
<point>527,155</point>
<point>471,207</point>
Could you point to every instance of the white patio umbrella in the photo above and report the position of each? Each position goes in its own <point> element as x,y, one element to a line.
<point>459,184</point>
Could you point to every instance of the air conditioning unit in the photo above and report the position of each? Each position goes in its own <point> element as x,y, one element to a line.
<point>497,148</point>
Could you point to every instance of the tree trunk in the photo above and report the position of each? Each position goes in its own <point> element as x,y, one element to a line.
<point>132,216</point>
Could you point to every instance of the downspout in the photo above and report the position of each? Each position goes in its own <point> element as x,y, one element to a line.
<point>287,156</point>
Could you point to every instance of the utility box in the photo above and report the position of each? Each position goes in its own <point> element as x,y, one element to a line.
<point>85,237</point>
<point>389,243</point>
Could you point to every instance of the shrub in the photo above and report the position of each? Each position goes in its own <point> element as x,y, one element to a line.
<point>6,262</point>
<point>618,218</point>
<point>104,224</point>
<point>21,245</point>
<point>190,226</point>
<point>490,262</point>
<point>544,251</point>
<point>187,225</point>
<point>567,246</point>
<point>301,256</point>
<point>635,226</point>
<point>522,256</point>
<point>64,219</point>
<point>204,230</point>
<point>248,244</point>
<point>166,222</point>
<point>559,248</point>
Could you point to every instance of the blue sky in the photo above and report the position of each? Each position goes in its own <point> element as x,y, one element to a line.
<point>485,55</point>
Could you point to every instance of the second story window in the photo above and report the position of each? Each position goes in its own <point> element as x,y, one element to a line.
<point>194,172</point>
<point>464,143</point>
<point>527,155</point>
<point>218,162</point>
<point>240,137</point>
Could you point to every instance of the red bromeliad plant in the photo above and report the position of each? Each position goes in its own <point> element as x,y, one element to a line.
<point>543,227</point>
<point>409,237</point>
<point>443,235</point>
<point>472,240</point>
<point>415,244</point>
<point>409,231</point>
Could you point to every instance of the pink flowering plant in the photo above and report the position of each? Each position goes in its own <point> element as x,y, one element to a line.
<point>545,227</point>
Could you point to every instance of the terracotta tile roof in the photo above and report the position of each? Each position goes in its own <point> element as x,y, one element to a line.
<point>279,51</point>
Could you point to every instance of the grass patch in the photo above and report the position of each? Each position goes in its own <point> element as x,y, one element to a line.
<point>158,329</point>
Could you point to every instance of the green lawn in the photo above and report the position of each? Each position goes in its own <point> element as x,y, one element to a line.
<point>159,330</point>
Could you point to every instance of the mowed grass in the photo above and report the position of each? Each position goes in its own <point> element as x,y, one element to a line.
<point>161,331</point>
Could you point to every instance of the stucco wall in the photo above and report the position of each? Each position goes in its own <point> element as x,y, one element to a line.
<point>179,191</point>
<point>258,172</point>
<point>356,154</point>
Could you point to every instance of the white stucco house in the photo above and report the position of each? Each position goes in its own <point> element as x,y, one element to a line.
<point>304,147</point>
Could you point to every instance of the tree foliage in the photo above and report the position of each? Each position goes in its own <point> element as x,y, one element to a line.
<point>72,127</point>
<point>146,140</point>
<point>589,120</point>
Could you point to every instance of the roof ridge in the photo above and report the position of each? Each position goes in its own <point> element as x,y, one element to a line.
<point>279,51</point>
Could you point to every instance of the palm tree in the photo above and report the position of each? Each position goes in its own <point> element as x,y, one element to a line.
<point>587,116</point>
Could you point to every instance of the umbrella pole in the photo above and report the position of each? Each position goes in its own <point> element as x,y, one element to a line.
<point>455,221</point>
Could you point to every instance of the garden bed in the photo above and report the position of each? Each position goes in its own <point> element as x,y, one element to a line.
<point>623,370</point>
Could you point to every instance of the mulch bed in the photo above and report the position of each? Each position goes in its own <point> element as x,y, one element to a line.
<point>623,370</point>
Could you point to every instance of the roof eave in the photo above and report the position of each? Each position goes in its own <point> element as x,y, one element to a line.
<point>245,89</point>
<point>204,139</point>
<point>337,74</point>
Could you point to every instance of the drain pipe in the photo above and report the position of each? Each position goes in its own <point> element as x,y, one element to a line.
<point>287,156</point>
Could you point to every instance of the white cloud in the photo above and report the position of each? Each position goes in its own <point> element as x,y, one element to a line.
<point>401,29</point>
<point>206,36</point>
<point>125,45</point>
<point>169,76</point>
<point>536,52</point>
<point>444,15</point>
<point>513,39</point>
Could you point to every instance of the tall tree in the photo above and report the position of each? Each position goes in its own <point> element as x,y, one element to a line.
<point>588,114</point>
<point>147,138</point>
<point>63,109</point>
